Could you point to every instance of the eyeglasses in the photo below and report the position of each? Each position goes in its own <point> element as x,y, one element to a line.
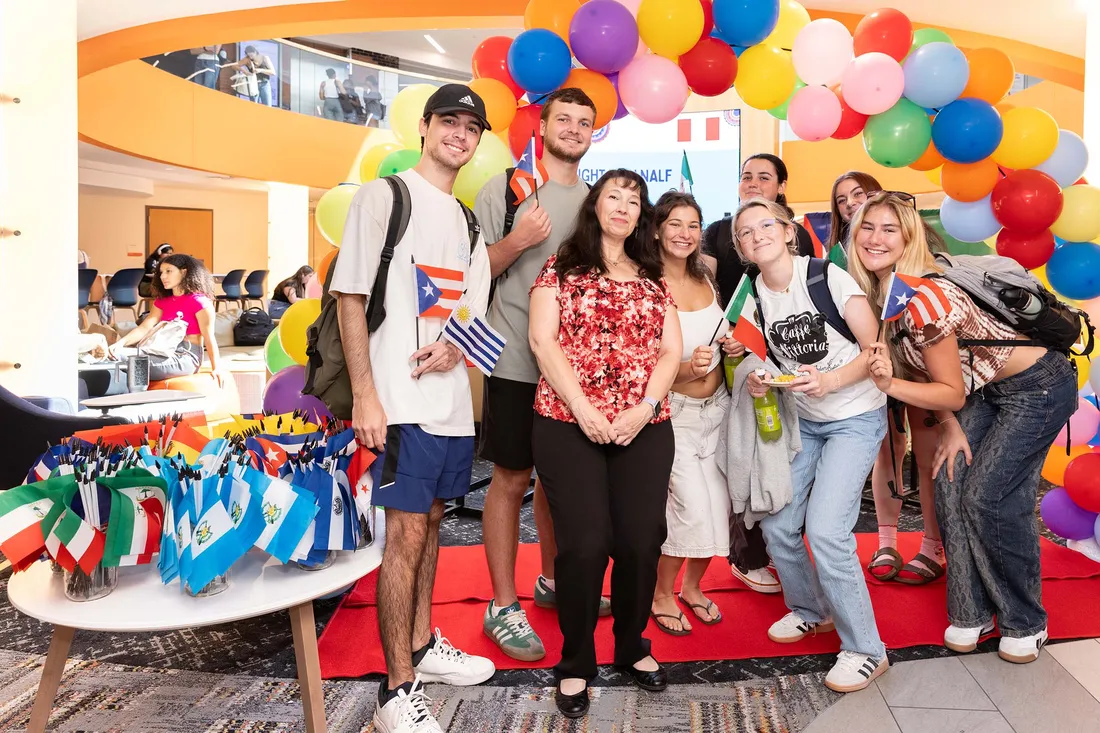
<point>764,226</point>
<point>907,198</point>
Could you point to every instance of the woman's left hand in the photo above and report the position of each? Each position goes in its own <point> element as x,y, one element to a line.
<point>629,423</point>
<point>221,375</point>
<point>813,383</point>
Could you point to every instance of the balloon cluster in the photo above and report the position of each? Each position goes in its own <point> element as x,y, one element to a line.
<point>285,356</point>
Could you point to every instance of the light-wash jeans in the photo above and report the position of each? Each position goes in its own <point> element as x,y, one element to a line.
<point>332,110</point>
<point>835,460</point>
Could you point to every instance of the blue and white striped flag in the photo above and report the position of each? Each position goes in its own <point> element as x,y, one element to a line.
<point>287,514</point>
<point>474,337</point>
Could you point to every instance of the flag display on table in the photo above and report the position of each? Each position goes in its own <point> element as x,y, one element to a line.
<point>474,337</point>
<point>287,514</point>
<point>22,510</point>
<point>271,456</point>
<point>83,544</point>
<point>529,175</point>
<point>438,290</point>
<point>134,527</point>
<point>922,297</point>
<point>214,546</point>
<point>741,312</point>
<point>685,174</point>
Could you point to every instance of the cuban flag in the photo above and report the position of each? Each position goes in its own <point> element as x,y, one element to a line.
<point>475,338</point>
<point>438,290</point>
<point>529,175</point>
<point>269,455</point>
<point>922,297</point>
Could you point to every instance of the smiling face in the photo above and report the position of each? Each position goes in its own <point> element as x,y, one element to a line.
<point>679,234</point>
<point>567,132</point>
<point>618,208</point>
<point>759,179</point>
<point>849,197</point>
<point>451,139</point>
<point>880,242</point>
<point>761,238</point>
<point>171,276</point>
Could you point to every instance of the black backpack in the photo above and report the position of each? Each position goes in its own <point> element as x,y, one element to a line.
<point>511,206</point>
<point>326,368</point>
<point>252,328</point>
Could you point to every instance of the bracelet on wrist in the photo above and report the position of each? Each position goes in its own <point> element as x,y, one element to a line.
<point>943,422</point>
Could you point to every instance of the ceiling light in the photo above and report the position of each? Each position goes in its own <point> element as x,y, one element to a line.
<point>434,43</point>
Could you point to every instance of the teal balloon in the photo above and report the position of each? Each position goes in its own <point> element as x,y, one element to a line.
<point>274,356</point>
<point>954,246</point>
<point>397,161</point>
<point>780,112</point>
<point>929,35</point>
<point>899,136</point>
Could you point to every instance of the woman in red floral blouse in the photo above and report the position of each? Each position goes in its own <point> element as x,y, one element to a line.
<point>605,332</point>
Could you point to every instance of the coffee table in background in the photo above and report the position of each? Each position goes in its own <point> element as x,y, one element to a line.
<point>136,399</point>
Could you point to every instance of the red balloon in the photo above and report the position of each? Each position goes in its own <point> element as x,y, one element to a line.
<point>708,17</point>
<point>1083,481</point>
<point>710,67</point>
<point>1027,201</point>
<point>887,31</point>
<point>1030,250</point>
<point>523,125</point>
<point>490,61</point>
<point>851,122</point>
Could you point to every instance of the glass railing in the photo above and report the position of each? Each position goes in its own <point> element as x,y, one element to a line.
<point>288,75</point>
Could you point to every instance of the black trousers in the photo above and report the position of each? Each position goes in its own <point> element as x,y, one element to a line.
<point>748,551</point>
<point>606,501</point>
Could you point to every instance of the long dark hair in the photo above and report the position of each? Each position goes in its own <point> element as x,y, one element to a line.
<point>296,281</point>
<point>154,258</point>
<point>838,228</point>
<point>669,202</point>
<point>196,278</point>
<point>581,252</point>
<point>781,175</point>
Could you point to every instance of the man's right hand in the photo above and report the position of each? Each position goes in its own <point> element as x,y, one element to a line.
<point>368,420</point>
<point>532,227</point>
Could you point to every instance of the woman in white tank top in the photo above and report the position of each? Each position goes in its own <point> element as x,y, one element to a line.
<point>698,502</point>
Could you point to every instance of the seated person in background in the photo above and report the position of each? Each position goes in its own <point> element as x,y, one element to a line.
<point>183,290</point>
<point>290,291</point>
<point>145,287</point>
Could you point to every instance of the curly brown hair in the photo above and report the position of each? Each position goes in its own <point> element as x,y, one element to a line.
<point>196,278</point>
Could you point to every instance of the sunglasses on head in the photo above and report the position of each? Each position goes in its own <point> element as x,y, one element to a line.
<point>907,198</point>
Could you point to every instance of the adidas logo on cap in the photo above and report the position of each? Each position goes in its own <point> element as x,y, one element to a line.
<point>467,100</point>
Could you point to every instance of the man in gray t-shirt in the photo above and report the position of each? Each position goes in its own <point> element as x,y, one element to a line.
<point>516,257</point>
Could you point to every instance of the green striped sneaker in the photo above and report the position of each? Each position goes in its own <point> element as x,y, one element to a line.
<point>545,597</point>
<point>511,632</point>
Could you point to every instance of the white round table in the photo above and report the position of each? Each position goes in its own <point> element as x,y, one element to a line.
<point>258,584</point>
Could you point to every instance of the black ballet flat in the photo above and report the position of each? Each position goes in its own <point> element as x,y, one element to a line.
<point>655,681</point>
<point>572,706</point>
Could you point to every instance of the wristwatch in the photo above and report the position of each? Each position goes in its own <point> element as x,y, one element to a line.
<point>654,404</point>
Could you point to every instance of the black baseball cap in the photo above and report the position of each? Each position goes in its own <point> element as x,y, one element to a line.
<point>451,98</point>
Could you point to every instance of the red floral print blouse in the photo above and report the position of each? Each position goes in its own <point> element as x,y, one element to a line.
<point>611,334</point>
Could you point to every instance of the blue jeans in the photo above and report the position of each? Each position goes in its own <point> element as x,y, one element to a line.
<point>264,94</point>
<point>987,514</point>
<point>209,76</point>
<point>835,459</point>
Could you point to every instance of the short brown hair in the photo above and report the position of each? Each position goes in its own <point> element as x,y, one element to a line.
<point>567,95</point>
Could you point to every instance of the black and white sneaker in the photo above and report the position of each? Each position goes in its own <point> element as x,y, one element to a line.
<point>406,712</point>
<point>1024,649</point>
<point>854,671</point>
<point>792,628</point>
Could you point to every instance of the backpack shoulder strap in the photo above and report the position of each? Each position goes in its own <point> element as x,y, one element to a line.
<point>763,324</point>
<point>473,229</point>
<point>511,204</point>
<point>395,229</point>
<point>817,282</point>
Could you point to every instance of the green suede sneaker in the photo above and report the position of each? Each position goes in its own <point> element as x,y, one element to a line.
<point>547,598</point>
<point>511,632</point>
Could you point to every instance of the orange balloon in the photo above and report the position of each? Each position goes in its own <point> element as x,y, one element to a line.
<point>599,89</point>
<point>991,74</point>
<point>1054,467</point>
<point>322,269</point>
<point>969,181</point>
<point>553,15</point>
<point>929,160</point>
<point>500,103</point>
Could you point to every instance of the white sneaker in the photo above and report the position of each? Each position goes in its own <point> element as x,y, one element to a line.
<point>854,671</point>
<point>443,663</point>
<point>964,640</point>
<point>1024,649</point>
<point>792,628</point>
<point>406,713</point>
<point>761,580</point>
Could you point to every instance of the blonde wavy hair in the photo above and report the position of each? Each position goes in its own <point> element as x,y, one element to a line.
<point>778,212</point>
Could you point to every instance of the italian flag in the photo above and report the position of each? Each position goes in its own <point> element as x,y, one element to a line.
<point>22,510</point>
<point>74,542</point>
<point>742,314</point>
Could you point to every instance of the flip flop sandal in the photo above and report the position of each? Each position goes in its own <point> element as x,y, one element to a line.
<point>668,630</point>
<point>894,563</point>
<point>932,571</point>
<point>706,610</point>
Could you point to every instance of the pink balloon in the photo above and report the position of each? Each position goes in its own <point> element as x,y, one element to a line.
<point>632,6</point>
<point>814,113</point>
<point>822,51</point>
<point>653,88</point>
<point>1082,426</point>
<point>872,83</point>
<point>314,289</point>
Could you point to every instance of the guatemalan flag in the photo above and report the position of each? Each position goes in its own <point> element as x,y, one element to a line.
<point>438,290</point>
<point>474,337</point>
<point>920,296</point>
<point>529,175</point>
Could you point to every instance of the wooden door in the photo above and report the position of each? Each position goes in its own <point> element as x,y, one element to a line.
<point>189,231</point>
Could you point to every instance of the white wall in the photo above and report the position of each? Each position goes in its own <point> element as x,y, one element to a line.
<point>1092,91</point>
<point>287,231</point>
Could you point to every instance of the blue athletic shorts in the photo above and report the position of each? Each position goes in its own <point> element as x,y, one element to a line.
<point>416,468</point>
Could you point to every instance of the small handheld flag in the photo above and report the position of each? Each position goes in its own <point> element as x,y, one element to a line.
<point>475,338</point>
<point>685,174</point>
<point>438,290</point>
<point>529,175</point>
<point>920,296</point>
<point>742,314</point>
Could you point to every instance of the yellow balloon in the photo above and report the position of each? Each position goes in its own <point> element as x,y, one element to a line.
<point>406,112</point>
<point>1030,137</point>
<point>765,76</point>
<point>934,175</point>
<point>332,211</point>
<point>1083,365</point>
<point>293,325</point>
<point>670,27</point>
<point>792,18</point>
<point>1080,217</point>
<point>368,167</point>
<point>490,158</point>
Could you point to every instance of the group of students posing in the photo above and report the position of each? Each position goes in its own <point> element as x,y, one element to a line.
<point>610,387</point>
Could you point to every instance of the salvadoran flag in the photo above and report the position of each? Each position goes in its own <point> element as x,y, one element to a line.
<point>741,312</point>
<point>438,290</point>
<point>529,175</point>
<point>474,337</point>
<point>337,523</point>
<point>82,543</point>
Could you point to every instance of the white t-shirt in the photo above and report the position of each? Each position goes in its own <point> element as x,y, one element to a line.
<point>437,236</point>
<point>799,335</point>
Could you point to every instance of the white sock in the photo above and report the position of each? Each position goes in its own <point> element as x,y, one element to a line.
<point>548,582</point>
<point>494,609</point>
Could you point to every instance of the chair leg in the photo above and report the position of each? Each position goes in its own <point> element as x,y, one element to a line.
<point>83,315</point>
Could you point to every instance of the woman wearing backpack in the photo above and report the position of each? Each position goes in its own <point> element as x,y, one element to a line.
<point>999,409</point>
<point>841,421</point>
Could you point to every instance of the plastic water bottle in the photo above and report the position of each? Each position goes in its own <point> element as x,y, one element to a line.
<point>767,414</point>
<point>729,365</point>
<point>1021,301</point>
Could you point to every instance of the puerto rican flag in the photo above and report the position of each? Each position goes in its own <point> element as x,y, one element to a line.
<point>438,290</point>
<point>529,175</point>
<point>923,298</point>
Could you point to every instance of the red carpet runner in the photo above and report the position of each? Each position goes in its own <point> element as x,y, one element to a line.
<point>906,615</point>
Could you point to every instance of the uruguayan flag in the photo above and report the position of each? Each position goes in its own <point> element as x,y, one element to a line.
<point>474,337</point>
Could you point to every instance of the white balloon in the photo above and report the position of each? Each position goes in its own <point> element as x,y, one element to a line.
<point>822,51</point>
<point>1067,163</point>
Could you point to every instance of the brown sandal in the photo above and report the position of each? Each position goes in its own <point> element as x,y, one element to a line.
<point>930,571</point>
<point>706,609</point>
<point>667,629</point>
<point>894,563</point>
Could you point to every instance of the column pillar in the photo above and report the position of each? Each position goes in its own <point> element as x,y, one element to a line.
<point>287,230</point>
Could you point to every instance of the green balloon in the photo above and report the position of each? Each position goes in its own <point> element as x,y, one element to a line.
<point>954,246</point>
<point>929,35</point>
<point>898,136</point>
<point>397,161</point>
<point>274,356</point>
<point>780,112</point>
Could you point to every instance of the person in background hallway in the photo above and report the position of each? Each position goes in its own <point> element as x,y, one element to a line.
<point>259,65</point>
<point>290,291</point>
<point>145,287</point>
<point>206,66</point>
<point>330,93</point>
<point>372,102</point>
<point>351,103</point>
<point>607,340</point>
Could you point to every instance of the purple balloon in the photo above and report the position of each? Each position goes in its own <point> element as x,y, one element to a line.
<point>603,35</point>
<point>1064,518</point>
<point>283,393</point>
<point>622,111</point>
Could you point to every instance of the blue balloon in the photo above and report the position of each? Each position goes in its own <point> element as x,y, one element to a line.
<point>745,22</point>
<point>967,130</point>
<point>539,60</point>
<point>1074,270</point>
<point>969,221</point>
<point>1058,242</point>
<point>935,74</point>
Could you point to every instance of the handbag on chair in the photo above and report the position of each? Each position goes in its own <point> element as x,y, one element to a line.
<point>165,339</point>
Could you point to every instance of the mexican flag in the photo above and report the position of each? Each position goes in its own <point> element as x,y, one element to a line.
<point>685,174</point>
<point>74,542</point>
<point>742,314</point>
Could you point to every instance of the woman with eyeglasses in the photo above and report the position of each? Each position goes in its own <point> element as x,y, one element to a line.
<point>999,408</point>
<point>841,421</point>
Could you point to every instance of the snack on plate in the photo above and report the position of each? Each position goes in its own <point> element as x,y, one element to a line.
<point>784,378</point>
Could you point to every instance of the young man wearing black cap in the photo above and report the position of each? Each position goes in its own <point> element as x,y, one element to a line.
<point>411,394</point>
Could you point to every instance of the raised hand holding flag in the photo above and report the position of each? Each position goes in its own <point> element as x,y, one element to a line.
<point>529,174</point>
